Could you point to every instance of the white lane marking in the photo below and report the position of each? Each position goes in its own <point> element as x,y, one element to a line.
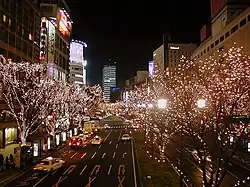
<point>83,170</point>
<point>73,155</point>
<point>240,165</point>
<point>96,169</point>
<point>110,142</point>
<point>133,159</point>
<point>100,146</point>
<point>116,146</point>
<point>110,166</point>
<point>120,135</point>
<point>123,155</point>
<point>114,155</point>
<point>69,170</point>
<point>54,172</point>
<point>103,155</point>
<point>108,135</point>
<point>83,155</point>
<point>41,180</point>
<point>178,150</point>
<point>198,168</point>
<point>93,155</point>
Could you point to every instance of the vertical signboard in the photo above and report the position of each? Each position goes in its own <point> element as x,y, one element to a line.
<point>216,6</point>
<point>150,68</point>
<point>43,38</point>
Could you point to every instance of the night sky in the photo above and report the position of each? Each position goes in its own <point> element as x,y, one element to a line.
<point>129,31</point>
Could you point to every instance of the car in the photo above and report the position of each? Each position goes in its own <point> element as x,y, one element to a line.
<point>77,141</point>
<point>97,140</point>
<point>197,158</point>
<point>106,126</point>
<point>49,164</point>
<point>126,137</point>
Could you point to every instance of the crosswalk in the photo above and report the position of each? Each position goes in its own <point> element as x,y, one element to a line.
<point>122,127</point>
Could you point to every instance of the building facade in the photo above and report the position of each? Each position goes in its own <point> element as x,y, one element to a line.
<point>19,31</point>
<point>77,62</point>
<point>108,81</point>
<point>230,26</point>
<point>171,55</point>
<point>56,28</point>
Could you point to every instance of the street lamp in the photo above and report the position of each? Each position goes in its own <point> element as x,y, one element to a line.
<point>162,103</point>
<point>201,103</point>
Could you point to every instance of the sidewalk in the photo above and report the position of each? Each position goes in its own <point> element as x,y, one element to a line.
<point>12,173</point>
<point>9,149</point>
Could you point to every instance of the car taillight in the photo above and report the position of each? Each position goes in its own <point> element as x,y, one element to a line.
<point>41,163</point>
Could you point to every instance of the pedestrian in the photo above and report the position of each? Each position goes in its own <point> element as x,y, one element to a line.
<point>1,161</point>
<point>7,162</point>
<point>11,160</point>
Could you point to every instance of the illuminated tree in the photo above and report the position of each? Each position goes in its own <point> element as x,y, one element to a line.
<point>27,94</point>
<point>204,99</point>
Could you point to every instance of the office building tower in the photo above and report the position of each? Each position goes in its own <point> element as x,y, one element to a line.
<point>19,31</point>
<point>77,62</point>
<point>56,27</point>
<point>108,81</point>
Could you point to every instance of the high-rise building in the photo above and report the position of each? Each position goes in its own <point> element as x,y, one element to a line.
<point>171,54</point>
<point>230,24</point>
<point>56,27</point>
<point>108,80</point>
<point>77,62</point>
<point>19,31</point>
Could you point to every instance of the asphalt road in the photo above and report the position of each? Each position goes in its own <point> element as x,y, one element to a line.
<point>235,171</point>
<point>107,165</point>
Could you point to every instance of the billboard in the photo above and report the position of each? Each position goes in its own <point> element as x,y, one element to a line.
<point>64,23</point>
<point>150,68</point>
<point>76,52</point>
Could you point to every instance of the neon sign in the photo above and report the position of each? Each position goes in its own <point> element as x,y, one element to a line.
<point>64,23</point>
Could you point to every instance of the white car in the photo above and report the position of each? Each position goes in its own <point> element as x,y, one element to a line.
<point>126,137</point>
<point>97,140</point>
<point>49,164</point>
<point>106,126</point>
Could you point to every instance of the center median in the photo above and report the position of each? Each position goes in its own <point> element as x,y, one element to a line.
<point>153,173</point>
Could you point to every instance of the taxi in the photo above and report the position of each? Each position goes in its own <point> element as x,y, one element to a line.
<point>97,140</point>
<point>49,164</point>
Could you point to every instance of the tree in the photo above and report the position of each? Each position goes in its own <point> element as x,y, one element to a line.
<point>27,94</point>
<point>222,85</point>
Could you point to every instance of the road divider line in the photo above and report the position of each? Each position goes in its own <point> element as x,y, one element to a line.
<point>198,168</point>
<point>73,155</point>
<point>114,155</point>
<point>41,180</point>
<point>83,170</point>
<point>103,155</point>
<point>110,142</point>
<point>133,160</point>
<point>93,155</point>
<point>100,146</point>
<point>54,172</point>
<point>240,165</point>
<point>96,169</point>
<point>110,167</point>
<point>120,135</point>
<point>108,135</point>
<point>83,155</point>
<point>116,146</point>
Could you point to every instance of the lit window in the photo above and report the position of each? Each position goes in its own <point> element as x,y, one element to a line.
<point>30,36</point>
<point>4,18</point>
<point>9,22</point>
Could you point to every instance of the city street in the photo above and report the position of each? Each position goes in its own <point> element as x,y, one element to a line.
<point>109,164</point>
